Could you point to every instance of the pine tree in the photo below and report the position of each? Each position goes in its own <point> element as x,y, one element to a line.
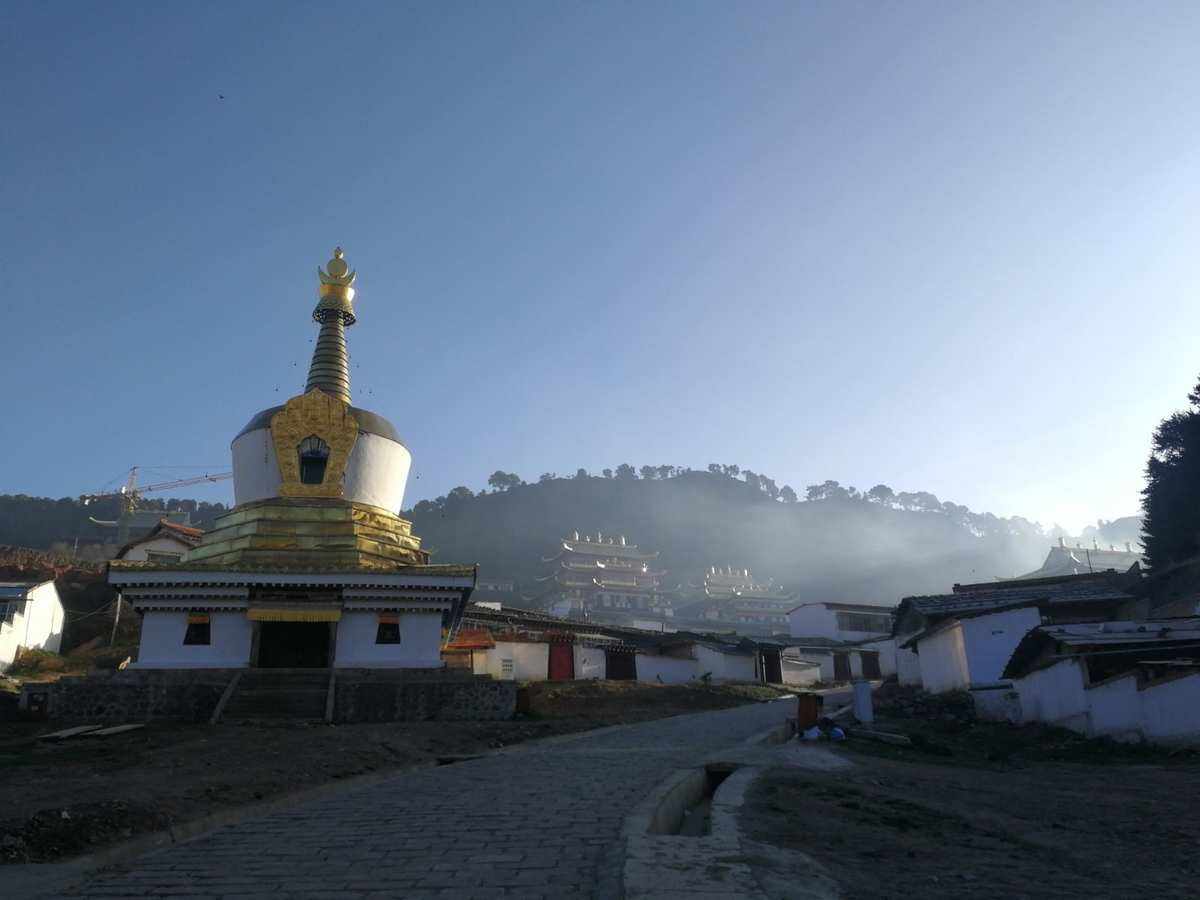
<point>1171,498</point>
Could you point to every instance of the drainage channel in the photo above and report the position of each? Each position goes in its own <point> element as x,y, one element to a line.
<point>686,810</point>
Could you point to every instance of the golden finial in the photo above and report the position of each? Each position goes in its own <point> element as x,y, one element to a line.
<point>337,291</point>
<point>337,271</point>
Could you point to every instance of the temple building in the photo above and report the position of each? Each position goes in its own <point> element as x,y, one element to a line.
<point>313,567</point>
<point>732,597</point>
<point>605,578</point>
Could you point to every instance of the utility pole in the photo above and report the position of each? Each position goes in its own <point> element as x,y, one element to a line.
<point>112,638</point>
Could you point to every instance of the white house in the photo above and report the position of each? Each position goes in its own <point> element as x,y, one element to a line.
<point>1129,680</point>
<point>967,650</point>
<point>840,621</point>
<point>166,542</point>
<point>1067,598</point>
<point>31,618</point>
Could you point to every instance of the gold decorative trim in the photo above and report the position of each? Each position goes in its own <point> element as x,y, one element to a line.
<point>293,615</point>
<point>314,413</point>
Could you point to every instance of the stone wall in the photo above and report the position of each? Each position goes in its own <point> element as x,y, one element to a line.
<point>131,695</point>
<point>371,698</point>
<point>191,695</point>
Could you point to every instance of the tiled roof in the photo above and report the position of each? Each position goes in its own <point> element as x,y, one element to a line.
<point>971,598</point>
<point>1063,560</point>
<point>1101,637</point>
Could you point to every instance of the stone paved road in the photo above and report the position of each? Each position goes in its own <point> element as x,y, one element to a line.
<point>539,821</point>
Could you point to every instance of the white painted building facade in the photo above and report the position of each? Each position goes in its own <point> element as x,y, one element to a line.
<point>1149,696</point>
<point>959,652</point>
<point>840,621</point>
<point>31,618</point>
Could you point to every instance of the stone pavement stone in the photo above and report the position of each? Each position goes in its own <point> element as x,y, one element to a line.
<point>540,820</point>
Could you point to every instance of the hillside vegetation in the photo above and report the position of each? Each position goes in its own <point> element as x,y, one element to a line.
<point>837,544</point>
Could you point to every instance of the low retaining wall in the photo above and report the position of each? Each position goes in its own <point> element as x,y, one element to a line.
<point>188,695</point>
<point>377,698</point>
<point>191,695</point>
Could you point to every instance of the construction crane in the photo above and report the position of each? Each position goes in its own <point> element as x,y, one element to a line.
<point>131,495</point>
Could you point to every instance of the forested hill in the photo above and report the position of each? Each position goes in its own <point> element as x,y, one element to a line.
<point>837,543</point>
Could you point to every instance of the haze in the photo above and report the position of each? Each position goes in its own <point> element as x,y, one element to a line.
<point>947,248</point>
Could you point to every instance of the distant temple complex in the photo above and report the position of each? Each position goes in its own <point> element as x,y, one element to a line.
<point>313,567</point>
<point>732,597</point>
<point>606,578</point>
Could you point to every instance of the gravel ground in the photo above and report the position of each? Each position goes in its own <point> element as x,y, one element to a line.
<point>959,819</point>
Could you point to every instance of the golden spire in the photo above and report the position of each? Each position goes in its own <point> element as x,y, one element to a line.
<point>337,288</point>
<point>330,369</point>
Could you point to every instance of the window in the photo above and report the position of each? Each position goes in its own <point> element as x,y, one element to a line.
<point>314,454</point>
<point>388,630</point>
<point>10,610</point>
<point>848,621</point>
<point>157,556</point>
<point>199,629</point>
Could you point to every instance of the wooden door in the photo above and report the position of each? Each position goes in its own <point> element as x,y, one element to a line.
<point>562,661</point>
<point>620,665</point>
<point>870,664</point>
<point>841,667</point>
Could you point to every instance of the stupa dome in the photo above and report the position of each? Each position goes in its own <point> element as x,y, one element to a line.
<point>367,462</point>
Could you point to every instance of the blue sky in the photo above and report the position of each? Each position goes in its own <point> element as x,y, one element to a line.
<point>947,247</point>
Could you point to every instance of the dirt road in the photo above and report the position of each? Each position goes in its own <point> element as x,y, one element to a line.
<point>950,823</point>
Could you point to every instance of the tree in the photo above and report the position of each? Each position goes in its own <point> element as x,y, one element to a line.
<point>788,495</point>
<point>768,487</point>
<point>546,476</point>
<point>881,494</point>
<point>715,468</point>
<point>665,472</point>
<point>649,472</point>
<point>1171,498</point>
<point>625,470</point>
<point>503,481</point>
<point>732,471</point>
<point>581,474</point>
<point>460,493</point>
<point>607,473</point>
<point>827,490</point>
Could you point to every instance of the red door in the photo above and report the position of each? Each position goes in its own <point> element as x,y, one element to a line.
<point>562,661</point>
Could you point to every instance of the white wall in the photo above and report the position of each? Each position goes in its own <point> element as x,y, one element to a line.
<point>973,651</point>
<point>419,647</point>
<point>812,620</point>
<point>162,644</point>
<point>531,661</point>
<point>1171,710</point>
<point>1168,711</point>
<point>1055,695</point>
<point>376,472</point>
<point>665,669</point>
<point>1115,708</point>
<point>943,660</point>
<point>589,662</point>
<point>161,544</point>
<point>990,641</point>
<point>39,627</point>
<point>724,666</point>
<point>908,667</point>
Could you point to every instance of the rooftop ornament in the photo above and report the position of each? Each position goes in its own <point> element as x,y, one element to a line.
<point>330,369</point>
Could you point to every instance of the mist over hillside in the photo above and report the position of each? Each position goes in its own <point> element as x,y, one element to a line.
<point>835,542</point>
<point>838,543</point>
